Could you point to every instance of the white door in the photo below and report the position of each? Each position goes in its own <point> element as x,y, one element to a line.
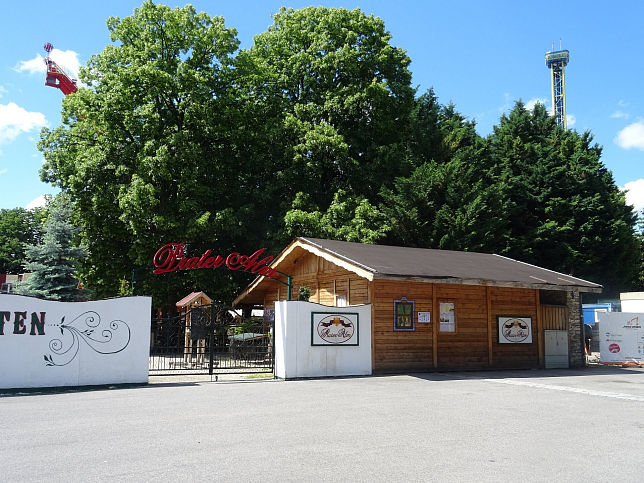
<point>556,348</point>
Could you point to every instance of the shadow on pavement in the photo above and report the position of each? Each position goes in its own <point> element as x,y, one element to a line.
<point>528,373</point>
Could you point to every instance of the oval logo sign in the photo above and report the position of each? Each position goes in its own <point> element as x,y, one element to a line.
<point>515,330</point>
<point>335,329</point>
<point>614,348</point>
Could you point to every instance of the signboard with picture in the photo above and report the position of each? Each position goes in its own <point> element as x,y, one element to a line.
<point>515,330</point>
<point>334,329</point>
<point>621,338</point>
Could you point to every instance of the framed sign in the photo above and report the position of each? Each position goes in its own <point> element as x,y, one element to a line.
<point>328,328</point>
<point>515,329</point>
<point>424,317</point>
<point>404,315</point>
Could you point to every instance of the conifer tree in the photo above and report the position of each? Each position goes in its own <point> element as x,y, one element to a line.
<point>52,263</point>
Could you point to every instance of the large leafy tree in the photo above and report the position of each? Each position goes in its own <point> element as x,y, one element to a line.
<point>52,263</point>
<point>447,200</point>
<point>148,151</point>
<point>338,95</point>
<point>562,207</point>
<point>18,227</point>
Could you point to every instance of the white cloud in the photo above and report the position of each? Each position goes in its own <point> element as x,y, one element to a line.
<point>15,120</point>
<point>571,119</point>
<point>3,171</point>
<point>67,59</point>
<point>635,194</point>
<point>3,91</point>
<point>39,202</point>
<point>632,136</point>
<point>534,101</point>
<point>33,66</point>
<point>619,114</point>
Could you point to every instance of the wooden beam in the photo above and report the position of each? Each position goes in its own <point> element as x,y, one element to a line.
<point>473,281</point>
<point>335,293</point>
<point>370,298</point>
<point>539,329</point>
<point>435,322</point>
<point>490,327</point>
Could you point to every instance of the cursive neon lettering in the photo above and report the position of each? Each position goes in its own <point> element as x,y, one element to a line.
<point>165,259</point>
<point>171,257</point>
<point>205,257</point>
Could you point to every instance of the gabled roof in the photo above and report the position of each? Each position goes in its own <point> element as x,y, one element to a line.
<point>389,261</point>
<point>439,266</point>
<point>188,299</point>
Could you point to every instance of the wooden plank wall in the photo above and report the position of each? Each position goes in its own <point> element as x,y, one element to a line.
<point>467,348</point>
<point>395,351</point>
<point>517,302</point>
<point>474,345</point>
<point>555,317</point>
<point>326,281</point>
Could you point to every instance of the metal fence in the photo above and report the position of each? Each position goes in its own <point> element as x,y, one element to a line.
<point>209,340</point>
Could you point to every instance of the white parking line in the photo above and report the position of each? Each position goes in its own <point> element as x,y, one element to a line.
<point>589,392</point>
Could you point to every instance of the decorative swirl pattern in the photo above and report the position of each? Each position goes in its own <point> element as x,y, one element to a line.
<point>103,339</point>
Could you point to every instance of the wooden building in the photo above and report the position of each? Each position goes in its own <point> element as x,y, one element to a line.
<point>438,309</point>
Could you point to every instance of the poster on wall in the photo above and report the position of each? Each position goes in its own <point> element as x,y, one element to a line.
<point>621,338</point>
<point>334,329</point>
<point>447,317</point>
<point>424,317</point>
<point>515,330</point>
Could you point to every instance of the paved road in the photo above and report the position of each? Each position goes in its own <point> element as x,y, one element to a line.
<point>481,426</point>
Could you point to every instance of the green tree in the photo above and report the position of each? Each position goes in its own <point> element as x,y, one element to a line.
<point>52,263</point>
<point>147,150</point>
<point>447,199</point>
<point>338,94</point>
<point>348,219</point>
<point>562,207</point>
<point>18,227</point>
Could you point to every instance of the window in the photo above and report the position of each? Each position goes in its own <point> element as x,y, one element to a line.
<point>404,314</point>
<point>447,317</point>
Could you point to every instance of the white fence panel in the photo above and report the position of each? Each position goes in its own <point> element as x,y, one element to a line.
<point>45,343</point>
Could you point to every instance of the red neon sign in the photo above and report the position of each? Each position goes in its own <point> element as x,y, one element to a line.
<point>170,258</point>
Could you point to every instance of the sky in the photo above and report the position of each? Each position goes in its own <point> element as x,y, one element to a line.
<point>482,56</point>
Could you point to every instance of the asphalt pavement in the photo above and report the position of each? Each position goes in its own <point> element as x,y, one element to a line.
<point>556,425</point>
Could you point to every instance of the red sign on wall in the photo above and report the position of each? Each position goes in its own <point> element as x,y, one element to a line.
<point>171,257</point>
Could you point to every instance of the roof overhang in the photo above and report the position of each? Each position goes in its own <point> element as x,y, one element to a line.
<point>289,251</point>
<point>371,274</point>
<point>490,283</point>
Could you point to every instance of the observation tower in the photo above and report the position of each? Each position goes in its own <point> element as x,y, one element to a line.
<point>556,60</point>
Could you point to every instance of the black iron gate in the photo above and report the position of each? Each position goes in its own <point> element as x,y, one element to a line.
<point>210,340</point>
